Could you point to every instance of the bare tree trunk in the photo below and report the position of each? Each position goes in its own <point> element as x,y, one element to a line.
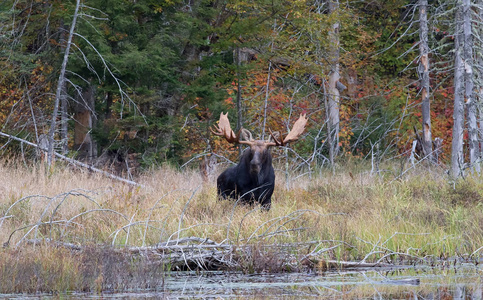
<point>239,120</point>
<point>479,74</point>
<point>84,122</point>
<point>469,97</point>
<point>330,141</point>
<point>63,102</point>
<point>267,94</point>
<point>424,77</point>
<point>334,76</point>
<point>457,157</point>
<point>64,117</point>
<point>60,86</point>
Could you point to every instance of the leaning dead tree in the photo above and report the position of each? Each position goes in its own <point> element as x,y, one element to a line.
<point>83,109</point>
<point>60,87</point>
<point>70,160</point>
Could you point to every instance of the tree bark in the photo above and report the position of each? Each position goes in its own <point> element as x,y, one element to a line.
<point>474,151</point>
<point>479,74</point>
<point>84,122</point>
<point>63,105</point>
<point>239,120</point>
<point>334,76</point>
<point>457,157</point>
<point>424,77</point>
<point>267,93</point>
<point>64,118</point>
<point>60,86</point>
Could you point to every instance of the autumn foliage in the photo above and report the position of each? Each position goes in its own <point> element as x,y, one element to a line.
<point>162,72</point>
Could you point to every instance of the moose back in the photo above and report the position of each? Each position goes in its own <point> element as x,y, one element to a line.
<point>252,180</point>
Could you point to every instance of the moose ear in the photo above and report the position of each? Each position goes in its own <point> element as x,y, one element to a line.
<point>246,135</point>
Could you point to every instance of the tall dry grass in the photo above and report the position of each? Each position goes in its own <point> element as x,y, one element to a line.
<point>344,215</point>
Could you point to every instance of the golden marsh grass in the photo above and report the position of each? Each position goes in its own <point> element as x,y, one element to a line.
<point>339,215</point>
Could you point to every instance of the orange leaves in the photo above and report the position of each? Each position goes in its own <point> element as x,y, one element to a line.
<point>345,133</point>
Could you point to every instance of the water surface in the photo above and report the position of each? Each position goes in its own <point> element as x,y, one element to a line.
<point>456,282</point>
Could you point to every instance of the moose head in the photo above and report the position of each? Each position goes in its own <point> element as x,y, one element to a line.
<point>253,178</point>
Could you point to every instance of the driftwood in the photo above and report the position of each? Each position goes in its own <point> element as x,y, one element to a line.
<point>184,253</point>
<point>201,253</point>
<point>192,252</point>
<point>335,264</point>
<point>72,161</point>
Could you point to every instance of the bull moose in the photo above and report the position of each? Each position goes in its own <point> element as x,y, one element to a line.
<point>253,178</point>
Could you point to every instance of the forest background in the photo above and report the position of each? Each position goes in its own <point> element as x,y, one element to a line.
<point>133,84</point>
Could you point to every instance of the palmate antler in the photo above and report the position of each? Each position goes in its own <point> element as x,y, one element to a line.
<point>297,130</point>
<point>224,129</point>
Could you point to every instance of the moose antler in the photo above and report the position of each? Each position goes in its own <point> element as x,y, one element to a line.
<point>224,129</point>
<point>297,130</point>
<point>294,134</point>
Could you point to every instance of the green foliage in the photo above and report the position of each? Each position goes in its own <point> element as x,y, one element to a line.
<point>389,21</point>
<point>162,71</point>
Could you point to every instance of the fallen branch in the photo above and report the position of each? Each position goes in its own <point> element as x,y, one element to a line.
<point>335,264</point>
<point>206,254</point>
<point>73,161</point>
<point>184,253</point>
<point>70,246</point>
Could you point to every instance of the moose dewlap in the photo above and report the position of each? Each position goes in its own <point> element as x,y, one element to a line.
<point>253,178</point>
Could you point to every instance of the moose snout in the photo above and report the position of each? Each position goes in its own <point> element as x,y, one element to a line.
<point>255,167</point>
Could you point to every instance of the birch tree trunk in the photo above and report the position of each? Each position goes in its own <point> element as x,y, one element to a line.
<point>424,77</point>
<point>474,149</point>
<point>457,157</point>
<point>334,76</point>
<point>479,73</point>
<point>60,85</point>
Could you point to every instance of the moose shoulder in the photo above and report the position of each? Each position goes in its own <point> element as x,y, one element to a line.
<point>253,178</point>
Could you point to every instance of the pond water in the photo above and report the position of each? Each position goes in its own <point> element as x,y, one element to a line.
<point>461,282</point>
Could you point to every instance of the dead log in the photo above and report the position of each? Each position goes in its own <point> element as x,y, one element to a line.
<point>205,254</point>
<point>72,161</point>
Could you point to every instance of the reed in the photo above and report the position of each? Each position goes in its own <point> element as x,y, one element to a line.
<point>87,226</point>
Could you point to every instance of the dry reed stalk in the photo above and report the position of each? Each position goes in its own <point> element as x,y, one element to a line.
<point>347,217</point>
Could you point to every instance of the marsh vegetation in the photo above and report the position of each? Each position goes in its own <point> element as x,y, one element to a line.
<point>72,230</point>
